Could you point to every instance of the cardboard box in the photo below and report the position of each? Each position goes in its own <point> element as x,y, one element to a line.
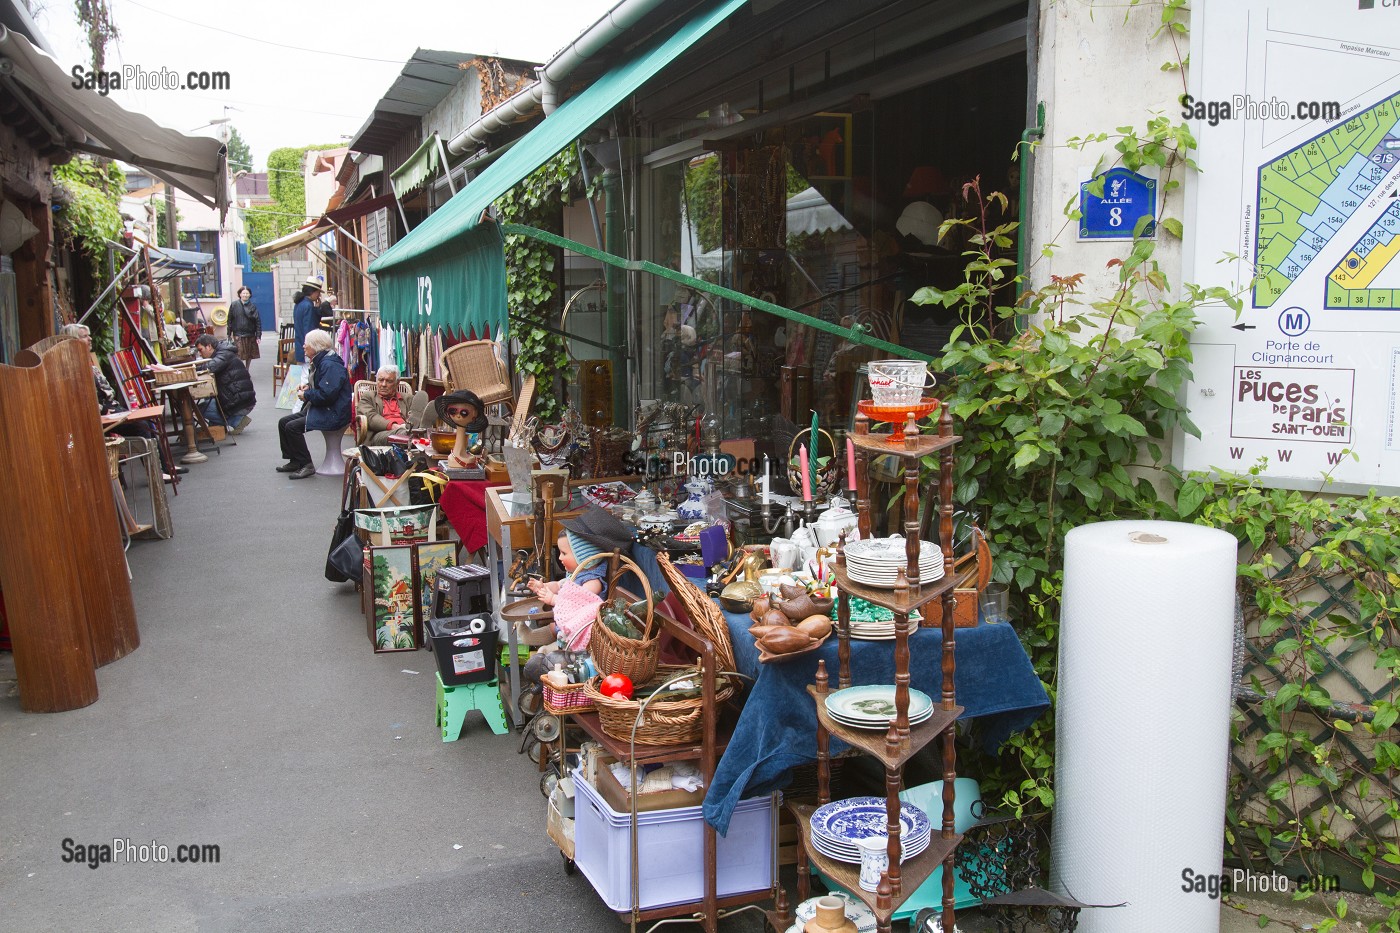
<point>618,798</point>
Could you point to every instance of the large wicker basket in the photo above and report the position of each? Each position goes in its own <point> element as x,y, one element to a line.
<point>705,616</point>
<point>614,654</point>
<point>662,722</point>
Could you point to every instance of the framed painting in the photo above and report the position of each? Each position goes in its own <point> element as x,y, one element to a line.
<point>429,558</point>
<point>392,601</point>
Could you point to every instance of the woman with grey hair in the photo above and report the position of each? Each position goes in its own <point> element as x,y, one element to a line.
<point>326,398</point>
<point>380,412</point>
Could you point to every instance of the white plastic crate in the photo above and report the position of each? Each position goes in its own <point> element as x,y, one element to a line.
<point>670,847</point>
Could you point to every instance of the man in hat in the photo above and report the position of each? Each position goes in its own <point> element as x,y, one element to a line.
<point>306,316</point>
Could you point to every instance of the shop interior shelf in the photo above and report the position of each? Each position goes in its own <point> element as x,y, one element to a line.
<point>890,599</point>
<point>872,741</point>
<point>913,873</point>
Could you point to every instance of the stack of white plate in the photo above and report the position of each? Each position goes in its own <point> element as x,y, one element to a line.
<point>838,827</point>
<point>873,631</point>
<point>877,561</point>
<point>872,707</point>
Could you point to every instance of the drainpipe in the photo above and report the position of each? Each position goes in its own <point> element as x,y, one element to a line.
<point>543,94</point>
<point>1023,205</point>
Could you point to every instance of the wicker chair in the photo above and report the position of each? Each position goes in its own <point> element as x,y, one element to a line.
<point>477,365</point>
<point>363,398</point>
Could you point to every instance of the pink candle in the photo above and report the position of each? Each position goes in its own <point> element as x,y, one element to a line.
<point>850,464</point>
<point>806,474</point>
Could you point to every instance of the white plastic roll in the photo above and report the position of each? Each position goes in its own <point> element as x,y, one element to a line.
<point>1142,722</point>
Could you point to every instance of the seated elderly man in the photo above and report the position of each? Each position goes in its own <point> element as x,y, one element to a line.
<point>383,410</point>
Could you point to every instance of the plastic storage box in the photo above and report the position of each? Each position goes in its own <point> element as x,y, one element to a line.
<point>463,656</point>
<point>670,844</point>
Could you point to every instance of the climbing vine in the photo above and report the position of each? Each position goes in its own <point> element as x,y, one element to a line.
<point>532,282</point>
<point>90,217</point>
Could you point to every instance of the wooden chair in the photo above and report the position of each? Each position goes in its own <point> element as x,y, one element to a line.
<point>477,365</point>
<point>286,354</point>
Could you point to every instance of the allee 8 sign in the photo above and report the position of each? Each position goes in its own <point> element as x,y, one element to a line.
<point>1112,205</point>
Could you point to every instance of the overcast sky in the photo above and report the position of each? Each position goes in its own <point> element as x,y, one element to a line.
<point>343,57</point>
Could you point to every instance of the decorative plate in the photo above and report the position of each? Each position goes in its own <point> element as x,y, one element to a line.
<point>875,703</point>
<point>884,549</point>
<point>860,817</point>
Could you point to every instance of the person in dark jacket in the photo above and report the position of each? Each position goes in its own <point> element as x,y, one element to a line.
<point>306,316</point>
<point>326,398</point>
<point>236,397</point>
<point>245,324</point>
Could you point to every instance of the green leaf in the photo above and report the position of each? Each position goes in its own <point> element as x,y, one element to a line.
<point>1025,456</point>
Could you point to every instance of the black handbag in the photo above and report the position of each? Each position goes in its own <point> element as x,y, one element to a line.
<point>346,554</point>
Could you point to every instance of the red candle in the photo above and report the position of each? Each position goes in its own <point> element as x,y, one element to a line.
<point>850,464</point>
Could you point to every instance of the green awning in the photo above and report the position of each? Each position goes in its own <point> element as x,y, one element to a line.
<point>417,168</point>
<point>443,244</point>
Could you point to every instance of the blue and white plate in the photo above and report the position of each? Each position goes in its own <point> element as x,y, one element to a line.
<point>845,822</point>
<point>909,848</point>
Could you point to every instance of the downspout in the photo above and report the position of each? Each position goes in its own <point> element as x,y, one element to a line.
<point>1025,147</point>
<point>543,94</point>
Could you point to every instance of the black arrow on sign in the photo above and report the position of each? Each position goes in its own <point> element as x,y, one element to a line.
<point>1244,327</point>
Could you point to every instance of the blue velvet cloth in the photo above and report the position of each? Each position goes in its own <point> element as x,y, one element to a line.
<point>777,729</point>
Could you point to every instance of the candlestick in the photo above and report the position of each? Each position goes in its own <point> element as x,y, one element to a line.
<point>766,494</point>
<point>850,464</point>
<point>806,476</point>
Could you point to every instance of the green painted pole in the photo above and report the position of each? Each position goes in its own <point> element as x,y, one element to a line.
<point>616,280</point>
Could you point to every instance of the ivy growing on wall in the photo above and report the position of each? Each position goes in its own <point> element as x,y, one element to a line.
<point>532,279</point>
<point>90,217</point>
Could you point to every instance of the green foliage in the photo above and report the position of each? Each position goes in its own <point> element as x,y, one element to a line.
<point>704,194</point>
<point>95,17</point>
<point>286,185</point>
<point>532,282</point>
<point>1309,747</point>
<point>90,217</point>
<point>240,157</point>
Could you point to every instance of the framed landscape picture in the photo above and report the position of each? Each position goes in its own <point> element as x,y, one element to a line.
<point>392,599</point>
<point>432,556</point>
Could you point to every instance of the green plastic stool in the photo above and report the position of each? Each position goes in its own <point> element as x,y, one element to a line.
<point>454,702</point>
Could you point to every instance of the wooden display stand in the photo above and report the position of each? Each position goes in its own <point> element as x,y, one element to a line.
<point>894,748</point>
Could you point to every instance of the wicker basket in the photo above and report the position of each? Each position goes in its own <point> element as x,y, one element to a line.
<point>570,699</point>
<point>114,457</point>
<point>614,654</point>
<point>184,372</point>
<point>705,616</point>
<point>663,722</point>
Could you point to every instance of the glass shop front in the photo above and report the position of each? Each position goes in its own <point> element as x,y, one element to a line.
<point>833,212</point>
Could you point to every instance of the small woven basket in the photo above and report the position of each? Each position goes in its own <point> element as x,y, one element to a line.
<point>114,457</point>
<point>614,654</point>
<point>663,722</point>
<point>570,699</point>
<point>182,373</point>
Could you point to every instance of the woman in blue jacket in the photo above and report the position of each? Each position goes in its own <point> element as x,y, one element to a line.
<point>326,405</point>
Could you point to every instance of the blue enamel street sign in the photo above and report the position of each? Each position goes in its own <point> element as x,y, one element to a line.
<point>1127,197</point>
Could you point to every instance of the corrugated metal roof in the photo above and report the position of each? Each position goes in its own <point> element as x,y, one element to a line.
<point>426,79</point>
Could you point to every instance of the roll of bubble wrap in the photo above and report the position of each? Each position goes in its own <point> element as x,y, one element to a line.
<point>1143,722</point>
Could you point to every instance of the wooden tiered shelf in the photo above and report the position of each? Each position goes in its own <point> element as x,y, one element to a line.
<point>893,747</point>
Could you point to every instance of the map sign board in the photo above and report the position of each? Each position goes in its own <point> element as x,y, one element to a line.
<point>1296,108</point>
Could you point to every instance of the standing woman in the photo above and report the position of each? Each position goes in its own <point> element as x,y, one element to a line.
<point>245,324</point>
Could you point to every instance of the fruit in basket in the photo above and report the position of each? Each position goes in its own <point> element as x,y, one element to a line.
<point>784,640</point>
<point>616,685</point>
<point>816,626</point>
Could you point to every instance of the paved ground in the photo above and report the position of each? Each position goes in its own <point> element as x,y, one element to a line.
<point>254,716</point>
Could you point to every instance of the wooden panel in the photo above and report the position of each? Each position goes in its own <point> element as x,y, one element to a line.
<point>91,521</point>
<point>38,570</point>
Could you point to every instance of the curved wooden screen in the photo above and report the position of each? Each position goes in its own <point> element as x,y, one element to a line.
<point>61,565</point>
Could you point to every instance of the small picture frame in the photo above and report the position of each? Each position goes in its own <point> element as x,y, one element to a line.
<point>391,584</point>
<point>429,558</point>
